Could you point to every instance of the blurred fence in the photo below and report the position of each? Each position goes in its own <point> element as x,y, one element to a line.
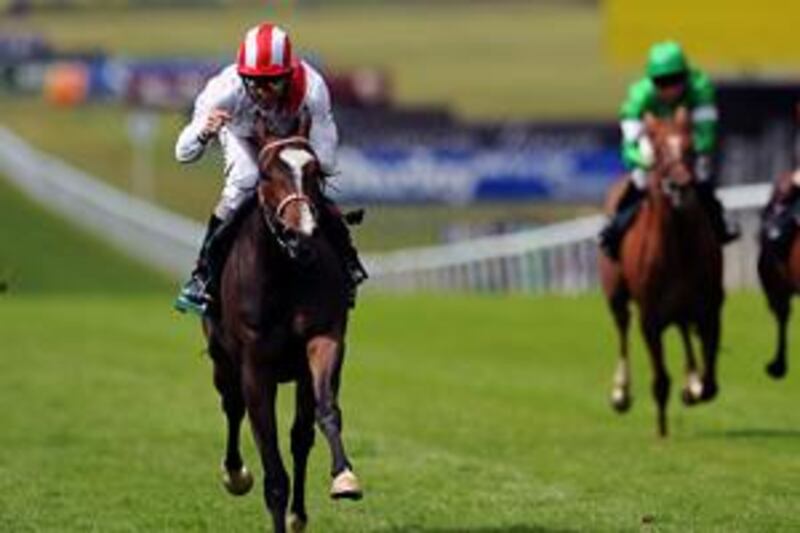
<point>559,258</point>
<point>157,237</point>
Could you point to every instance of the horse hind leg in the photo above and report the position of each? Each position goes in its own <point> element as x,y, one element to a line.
<point>325,358</point>
<point>302,441</point>
<point>621,389</point>
<point>236,478</point>
<point>693,387</point>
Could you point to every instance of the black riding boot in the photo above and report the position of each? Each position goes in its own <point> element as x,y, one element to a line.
<point>611,235</point>
<point>194,295</point>
<point>725,229</point>
<point>333,224</point>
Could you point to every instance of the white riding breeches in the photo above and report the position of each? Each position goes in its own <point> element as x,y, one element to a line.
<point>241,172</point>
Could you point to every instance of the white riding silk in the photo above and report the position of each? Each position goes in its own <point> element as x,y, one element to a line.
<point>226,91</point>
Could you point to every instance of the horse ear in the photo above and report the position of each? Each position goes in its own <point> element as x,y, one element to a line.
<point>682,117</point>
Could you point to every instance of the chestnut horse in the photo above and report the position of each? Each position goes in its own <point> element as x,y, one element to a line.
<point>671,267</point>
<point>780,277</point>
<point>282,317</point>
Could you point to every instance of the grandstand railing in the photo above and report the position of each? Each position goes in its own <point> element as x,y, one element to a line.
<point>558,258</point>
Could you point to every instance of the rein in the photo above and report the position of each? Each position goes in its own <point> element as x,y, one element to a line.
<point>282,142</point>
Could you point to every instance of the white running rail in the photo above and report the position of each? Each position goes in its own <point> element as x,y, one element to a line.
<point>559,258</point>
<point>154,235</point>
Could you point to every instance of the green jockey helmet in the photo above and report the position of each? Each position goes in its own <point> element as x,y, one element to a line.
<point>666,59</point>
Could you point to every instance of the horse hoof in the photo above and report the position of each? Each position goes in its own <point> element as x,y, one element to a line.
<point>620,401</point>
<point>709,392</point>
<point>345,486</point>
<point>237,482</point>
<point>776,370</point>
<point>295,524</point>
<point>689,398</point>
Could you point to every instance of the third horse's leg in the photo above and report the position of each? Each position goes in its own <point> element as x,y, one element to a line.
<point>709,330</point>
<point>781,307</point>
<point>324,355</point>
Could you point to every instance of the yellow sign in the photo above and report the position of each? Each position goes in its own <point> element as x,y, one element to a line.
<point>732,34</point>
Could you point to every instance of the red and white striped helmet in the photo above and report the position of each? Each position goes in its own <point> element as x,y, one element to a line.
<point>265,51</point>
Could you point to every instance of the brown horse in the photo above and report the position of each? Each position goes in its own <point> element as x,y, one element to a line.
<point>780,278</point>
<point>671,267</point>
<point>282,317</point>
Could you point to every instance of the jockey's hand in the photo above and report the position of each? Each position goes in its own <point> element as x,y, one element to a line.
<point>216,119</point>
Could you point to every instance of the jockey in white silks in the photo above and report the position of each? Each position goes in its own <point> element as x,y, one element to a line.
<point>268,84</point>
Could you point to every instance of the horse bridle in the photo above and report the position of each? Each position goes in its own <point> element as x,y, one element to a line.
<point>274,220</point>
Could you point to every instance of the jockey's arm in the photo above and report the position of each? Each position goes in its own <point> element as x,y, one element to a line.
<point>704,114</point>
<point>210,112</point>
<point>323,135</point>
<point>632,126</point>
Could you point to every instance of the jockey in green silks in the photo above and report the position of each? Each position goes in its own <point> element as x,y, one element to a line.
<point>670,82</point>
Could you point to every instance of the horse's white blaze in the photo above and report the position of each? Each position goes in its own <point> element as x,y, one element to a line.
<point>674,143</point>
<point>297,158</point>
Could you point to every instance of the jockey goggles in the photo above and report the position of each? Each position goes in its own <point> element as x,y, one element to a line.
<point>265,87</point>
<point>670,81</point>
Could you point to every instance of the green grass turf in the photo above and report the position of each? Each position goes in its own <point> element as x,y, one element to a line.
<point>469,414</point>
<point>495,59</point>
<point>40,253</point>
<point>462,413</point>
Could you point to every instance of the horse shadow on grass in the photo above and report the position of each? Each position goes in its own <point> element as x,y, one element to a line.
<point>752,433</point>
<point>519,528</point>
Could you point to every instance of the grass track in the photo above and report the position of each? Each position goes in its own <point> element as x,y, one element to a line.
<point>462,414</point>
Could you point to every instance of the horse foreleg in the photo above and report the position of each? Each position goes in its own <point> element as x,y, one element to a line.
<point>693,388</point>
<point>325,358</point>
<point>778,292</point>
<point>235,476</point>
<point>260,395</point>
<point>780,304</point>
<point>661,381</point>
<point>302,441</point>
<point>621,389</point>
